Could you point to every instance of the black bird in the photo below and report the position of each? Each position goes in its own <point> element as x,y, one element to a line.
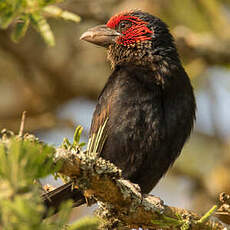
<point>148,100</point>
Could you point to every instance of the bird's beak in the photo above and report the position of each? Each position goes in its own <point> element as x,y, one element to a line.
<point>100,35</point>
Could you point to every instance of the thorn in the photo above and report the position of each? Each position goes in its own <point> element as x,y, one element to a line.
<point>22,125</point>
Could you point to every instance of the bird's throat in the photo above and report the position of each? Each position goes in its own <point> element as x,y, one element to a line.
<point>141,55</point>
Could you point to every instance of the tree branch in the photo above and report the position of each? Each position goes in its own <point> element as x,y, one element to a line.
<point>121,201</point>
<point>212,49</point>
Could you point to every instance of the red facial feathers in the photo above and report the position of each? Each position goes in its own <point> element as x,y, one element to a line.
<point>136,33</point>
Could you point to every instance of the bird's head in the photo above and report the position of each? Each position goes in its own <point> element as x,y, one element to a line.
<point>134,37</point>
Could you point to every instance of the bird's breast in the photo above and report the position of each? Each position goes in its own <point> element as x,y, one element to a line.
<point>135,125</point>
<point>147,124</point>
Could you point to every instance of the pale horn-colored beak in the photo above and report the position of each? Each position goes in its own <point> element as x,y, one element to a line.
<point>100,35</point>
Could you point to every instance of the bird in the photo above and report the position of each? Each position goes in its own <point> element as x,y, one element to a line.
<point>147,102</point>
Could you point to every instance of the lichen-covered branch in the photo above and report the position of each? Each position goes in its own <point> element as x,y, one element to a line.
<point>121,201</point>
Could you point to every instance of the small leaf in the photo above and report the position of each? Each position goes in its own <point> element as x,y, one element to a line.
<point>20,29</point>
<point>77,135</point>
<point>82,144</point>
<point>64,213</point>
<point>57,12</point>
<point>6,19</point>
<point>85,223</point>
<point>167,222</point>
<point>9,11</point>
<point>23,160</point>
<point>40,23</point>
<point>66,143</point>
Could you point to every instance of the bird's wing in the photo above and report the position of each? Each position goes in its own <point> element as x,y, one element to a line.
<point>99,129</point>
<point>100,122</point>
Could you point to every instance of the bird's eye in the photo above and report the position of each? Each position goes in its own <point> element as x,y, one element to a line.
<point>124,25</point>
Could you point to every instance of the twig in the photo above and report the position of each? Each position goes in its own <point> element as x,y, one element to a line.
<point>207,215</point>
<point>22,125</point>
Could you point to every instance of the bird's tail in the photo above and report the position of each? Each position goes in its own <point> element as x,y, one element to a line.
<point>54,198</point>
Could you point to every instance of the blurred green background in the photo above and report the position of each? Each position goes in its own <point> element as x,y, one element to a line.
<point>58,87</point>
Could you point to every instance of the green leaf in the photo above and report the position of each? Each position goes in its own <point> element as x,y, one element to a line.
<point>63,215</point>
<point>32,11</point>
<point>66,143</point>
<point>40,23</point>
<point>9,11</point>
<point>22,160</point>
<point>20,29</point>
<point>6,19</point>
<point>57,12</point>
<point>82,144</point>
<point>86,223</point>
<point>167,222</point>
<point>77,135</point>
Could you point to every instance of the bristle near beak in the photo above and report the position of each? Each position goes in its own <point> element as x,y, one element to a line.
<point>100,35</point>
